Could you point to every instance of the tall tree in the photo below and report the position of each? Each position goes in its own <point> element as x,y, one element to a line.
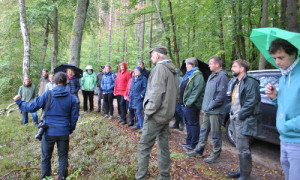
<point>292,15</point>
<point>45,42</point>
<point>55,38</point>
<point>150,32</point>
<point>78,26</point>
<point>26,38</point>
<point>283,6</point>
<point>176,50</point>
<point>110,30</point>
<point>142,33</point>
<point>264,23</point>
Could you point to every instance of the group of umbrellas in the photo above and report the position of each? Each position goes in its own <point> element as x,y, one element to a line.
<point>261,37</point>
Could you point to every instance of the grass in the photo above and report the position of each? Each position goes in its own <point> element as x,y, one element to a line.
<point>97,150</point>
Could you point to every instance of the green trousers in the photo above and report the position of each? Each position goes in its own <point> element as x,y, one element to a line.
<point>152,131</point>
<point>210,124</point>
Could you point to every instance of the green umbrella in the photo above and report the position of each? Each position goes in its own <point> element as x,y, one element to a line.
<point>262,38</point>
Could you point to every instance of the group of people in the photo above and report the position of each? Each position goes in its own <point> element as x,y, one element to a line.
<point>153,99</point>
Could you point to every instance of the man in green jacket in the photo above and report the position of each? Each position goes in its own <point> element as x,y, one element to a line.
<point>27,92</point>
<point>213,107</point>
<point>245,115</point>
<point>159,108</point>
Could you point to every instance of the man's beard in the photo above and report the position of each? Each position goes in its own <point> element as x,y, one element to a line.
<point>235,74</point>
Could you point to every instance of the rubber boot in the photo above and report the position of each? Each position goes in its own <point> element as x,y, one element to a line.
<point>245,166</point>
<point>234,174</point>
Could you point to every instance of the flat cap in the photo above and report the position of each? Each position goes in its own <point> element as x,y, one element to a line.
<point>160,49</point>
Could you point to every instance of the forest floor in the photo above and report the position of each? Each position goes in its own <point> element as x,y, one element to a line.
<point>104,149</point>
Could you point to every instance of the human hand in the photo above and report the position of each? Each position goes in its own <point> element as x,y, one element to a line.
<point>17,97</point>
<point>271,91</point>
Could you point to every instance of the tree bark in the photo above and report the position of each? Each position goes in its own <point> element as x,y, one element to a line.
<point>142,34</point>
<point>26,38</point>
<point>221,32</point>
<point>110,31</point>
<point>283,6</point>
<point>55,39</point>
<point>292,15</point>
<point>165,29</point>
<point>264,23</point>
<point>78,26</point>
<point>176,50</point>
<point>45,43</point>
<point>150,33</point>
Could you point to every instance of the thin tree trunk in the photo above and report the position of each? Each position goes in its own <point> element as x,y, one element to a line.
<point>283,19</point>
<point>142,33</point>
<point>241,38</point>
<point>292,15</point>
<point>150,33</point>
<point>176,50</point>
<point>45,43</point>
<point>78,26</point>
<point>110,31</point>
<point>99,30</point>
<point>165,29</point>
<point>221,35</point>
<point>26,38</point>
<point>55,39</point>
<point>264,23</point>
<point>124,44</point>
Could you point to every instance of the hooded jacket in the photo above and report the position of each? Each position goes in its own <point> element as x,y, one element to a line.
<point>88,81</point>
<point>288,114</point>
<point>122,80</point>
<point>215,93</point>
<point>62,114</point>
<point>137,92</point>
<point>162,92</point>
<point>108,82</point>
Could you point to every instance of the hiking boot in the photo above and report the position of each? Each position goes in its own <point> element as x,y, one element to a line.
<point>183,144</point>
<point>106,116</point>
<point>193,154</point>
<point>234,174</point>
<point>211,159</point>
<point>188,148</point>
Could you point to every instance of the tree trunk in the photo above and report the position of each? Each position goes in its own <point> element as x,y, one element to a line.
<point>150,33</point>
<point>283,19</point>
<point>176,50</point>
<point>26,38</point>
<point>142,34</point>
<point>124,44</point>
<point>45,43</point>
<point>110,31</point>
<point>241,38</point>
<point>78,26</point>
<point>221,32</point>
<point>292,15</point>
<point>165,29</point>
<point>55,39</point>
<point>264,23</point>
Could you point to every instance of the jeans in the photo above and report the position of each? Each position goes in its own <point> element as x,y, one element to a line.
<point>122,107</point>
<point>139,118</point>
<point>152,131</point>
<point>290,160</point>
<point>88,95</point>
<point>108,103</point>
<point>48,143</point>
<point>191,116</point>
<point>25,117</point>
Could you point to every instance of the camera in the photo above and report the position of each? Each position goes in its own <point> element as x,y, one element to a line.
<point>42,127</point>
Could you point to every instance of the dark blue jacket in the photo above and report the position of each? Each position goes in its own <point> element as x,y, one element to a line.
<point>145,73</point>
<point>62,115</point>
<point>73,86</point>
<point>137,92</point>
<point>108,82</point>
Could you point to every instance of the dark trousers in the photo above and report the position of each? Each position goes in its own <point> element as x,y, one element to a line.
<point>191,116</point>
<point>86,95</point>
<point>48,143</point>
<point>100,96</point>
<point>178,116</point>
<point>122,106</point>
<point>108,103</point>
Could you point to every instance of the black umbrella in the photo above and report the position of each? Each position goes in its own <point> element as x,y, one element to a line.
<point>64,67</point>
<point>203,67</point>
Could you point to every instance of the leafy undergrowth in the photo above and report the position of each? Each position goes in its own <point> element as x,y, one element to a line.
<point>103,149</point>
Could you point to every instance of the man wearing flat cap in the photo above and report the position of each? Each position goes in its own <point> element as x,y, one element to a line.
<point>159,108</point>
